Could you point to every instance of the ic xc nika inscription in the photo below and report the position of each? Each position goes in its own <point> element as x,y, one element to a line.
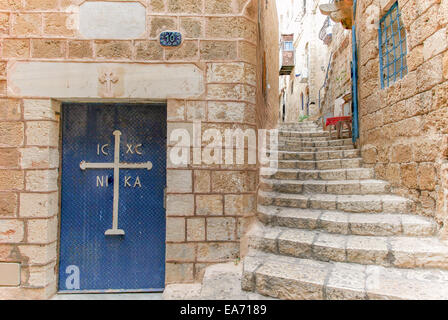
<point>117,165</point>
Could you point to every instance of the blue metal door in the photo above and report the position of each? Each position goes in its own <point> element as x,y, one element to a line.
<point>112,200</point>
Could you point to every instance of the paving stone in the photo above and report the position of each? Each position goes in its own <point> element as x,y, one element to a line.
<point>330,247</point>
<point>419,253</point>
<point>388,283</point>
<point>287,281</point>
<point>344,187</point>
<point>335,222</point>
<point>375,224</point>
<point>415,226</point>
<point>367,250</point>
<point>296,243</point>
<point>220,282</point>
<point>292,218</point>
<point>358,203</point>
<point>346,282</point>
<point>266,239</point>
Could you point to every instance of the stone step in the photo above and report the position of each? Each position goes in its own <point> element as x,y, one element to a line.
<point>298,148</point>
<point>321,155</point>
<point>361,224</point>
<point>289,141</point>
<point>220,282</point>
<point>303,138</point>
<point>342,187</point>
<point>302,129</point>
<point>298,125</point>
<point>318,164</point>
<point>318,144</point>
<point>387,251</point>
<point>303,134</point>
<point>307,134</point>
<point>321,137</point>
<point>301,126</point>
<point>331,175</point>
<point>302,279</point>
<point>347,203</point>
<point>314,149</point>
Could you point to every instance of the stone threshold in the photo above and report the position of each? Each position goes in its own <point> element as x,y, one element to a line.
<point>108,296</point>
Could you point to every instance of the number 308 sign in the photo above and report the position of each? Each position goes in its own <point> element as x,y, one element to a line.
<point>170,39</point>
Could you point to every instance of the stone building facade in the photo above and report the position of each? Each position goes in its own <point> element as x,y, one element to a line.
<point>402,127</point>
<point>300,89</point>
<point>324,234</point>
<point>401,123</point>
<point>338,81</point>
<point>54,52</point>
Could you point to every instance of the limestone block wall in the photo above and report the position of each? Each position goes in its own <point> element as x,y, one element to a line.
<point>268,62</point>
<point>310,58</point>
<point>318,59</point>
<point>339,76</point>
<point>208,206</point>
<point>404,127</point>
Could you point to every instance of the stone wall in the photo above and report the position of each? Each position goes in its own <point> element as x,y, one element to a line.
<point>311,59</point>
<point>208,206</point>
<point>267,97</point>
<point>403,127</point>
<point>339,75</point>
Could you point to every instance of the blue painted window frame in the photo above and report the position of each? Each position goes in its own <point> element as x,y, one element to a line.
<point>288,46</point>
<point>393,47</point>
<point>355,118</point>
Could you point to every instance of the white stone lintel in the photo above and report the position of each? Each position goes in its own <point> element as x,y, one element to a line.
<point>79,80</point>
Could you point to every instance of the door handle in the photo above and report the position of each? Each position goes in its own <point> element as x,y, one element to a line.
<point>164,198</point>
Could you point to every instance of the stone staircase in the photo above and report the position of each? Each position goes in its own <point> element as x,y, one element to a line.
<point>330,230</point>
<point>220,282</point>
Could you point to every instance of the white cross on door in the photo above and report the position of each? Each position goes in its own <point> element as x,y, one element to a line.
<point>116,165</point>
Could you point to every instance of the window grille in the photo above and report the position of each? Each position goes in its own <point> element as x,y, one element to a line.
<point>393,50</point>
